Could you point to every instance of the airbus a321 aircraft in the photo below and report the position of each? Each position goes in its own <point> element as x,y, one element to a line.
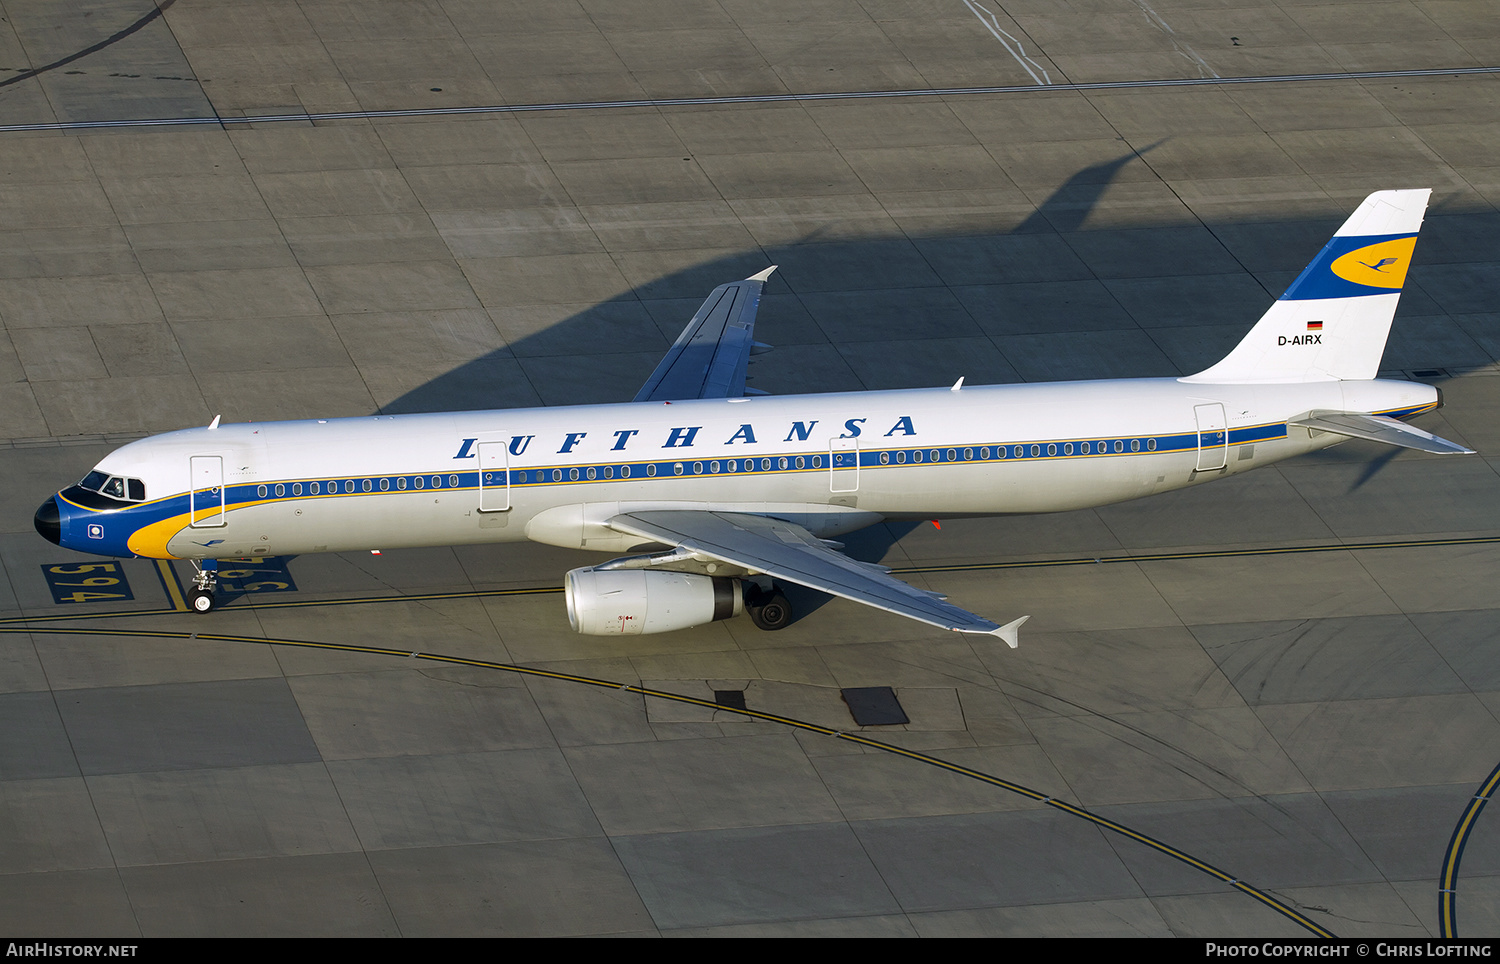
<point>716,497</point>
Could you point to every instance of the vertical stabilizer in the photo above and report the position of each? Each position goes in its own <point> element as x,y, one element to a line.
<point>1333,321</point>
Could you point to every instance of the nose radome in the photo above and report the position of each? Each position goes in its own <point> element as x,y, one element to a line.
<point>49,522</point>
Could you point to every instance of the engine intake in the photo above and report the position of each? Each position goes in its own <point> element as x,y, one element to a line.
<point>633,602</point>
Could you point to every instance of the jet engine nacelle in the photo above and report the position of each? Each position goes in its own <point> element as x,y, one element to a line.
<point>631,602</point>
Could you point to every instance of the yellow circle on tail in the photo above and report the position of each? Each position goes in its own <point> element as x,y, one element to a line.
<point>1381,265</point>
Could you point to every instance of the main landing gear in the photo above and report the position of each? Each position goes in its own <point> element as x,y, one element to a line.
<point>201,596</point>
<point>768,608</point>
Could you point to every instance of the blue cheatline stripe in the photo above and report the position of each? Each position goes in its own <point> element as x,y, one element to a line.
<point>266,493</point>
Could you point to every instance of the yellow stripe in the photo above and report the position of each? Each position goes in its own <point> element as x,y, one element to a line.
<point>150,541</point>
<point>169,580</point>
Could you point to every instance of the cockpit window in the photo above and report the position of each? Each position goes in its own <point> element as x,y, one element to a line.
<point>115,487</point>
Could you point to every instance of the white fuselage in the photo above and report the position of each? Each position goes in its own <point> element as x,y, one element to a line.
<point>832,463</point>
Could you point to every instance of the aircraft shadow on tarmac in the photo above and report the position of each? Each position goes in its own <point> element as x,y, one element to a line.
<point>1445,325</point>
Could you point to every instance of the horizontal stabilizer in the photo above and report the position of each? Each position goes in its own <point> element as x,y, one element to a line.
<point>1380,428</point>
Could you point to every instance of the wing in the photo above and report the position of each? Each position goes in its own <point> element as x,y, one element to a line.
<point>1380,428</point>
<point>789,552</point>
<point>708,359</point>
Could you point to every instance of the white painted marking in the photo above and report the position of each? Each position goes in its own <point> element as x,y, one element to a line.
<point>992,24</point>
<point>1155,18</point>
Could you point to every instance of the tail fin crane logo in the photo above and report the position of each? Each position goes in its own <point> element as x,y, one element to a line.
<point>1389,258</point>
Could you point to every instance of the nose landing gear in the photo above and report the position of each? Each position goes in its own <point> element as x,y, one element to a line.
<point>201,596</point>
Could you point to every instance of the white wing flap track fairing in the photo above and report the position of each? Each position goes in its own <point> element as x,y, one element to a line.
<point>716,498</point>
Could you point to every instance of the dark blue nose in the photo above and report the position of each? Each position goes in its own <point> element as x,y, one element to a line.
<point>49,522</point>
